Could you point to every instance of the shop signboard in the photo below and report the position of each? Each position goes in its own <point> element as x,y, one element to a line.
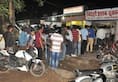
<point>74,18</point>
<point>70,10</point>
<point>102,14</point>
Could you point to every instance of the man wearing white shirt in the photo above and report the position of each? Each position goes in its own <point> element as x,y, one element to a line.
<point>100,35</point>
<point>2,42</point>
<point>56,44</point>
<point>69,39</point>
<point>112,33</point>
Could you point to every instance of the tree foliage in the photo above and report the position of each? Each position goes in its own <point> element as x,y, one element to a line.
<point>4,8</point>
<point>41,2</point>
<point>18,5</point>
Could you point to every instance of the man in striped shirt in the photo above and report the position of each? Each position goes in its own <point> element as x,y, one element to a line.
<point>56,43</point>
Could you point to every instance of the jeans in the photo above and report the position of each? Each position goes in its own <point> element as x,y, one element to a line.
<point>40,53</point>
<point>75,48</point>
<point>47,54</point>
<point>54,59</point>
<point>83,46</point>
<point>79,48</point>
<point>63,52</point>
<point>69,48</point>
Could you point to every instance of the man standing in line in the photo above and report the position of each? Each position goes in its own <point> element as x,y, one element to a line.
<point>39,42</point>
<point>23,38</point>
<point>9,39</point>
<point>84,33</point>
<point>75,34</point>
<point>79,41</point>
<point>64,33</point>
<point>69,39</point>
<point>2,42</point>
<point>56,45</point>
<point>100,35</point>
<point>91,37</point>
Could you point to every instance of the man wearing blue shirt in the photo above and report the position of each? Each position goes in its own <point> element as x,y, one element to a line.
<point>23,38</point>
<point>91,37</point>
<point>84,34</point>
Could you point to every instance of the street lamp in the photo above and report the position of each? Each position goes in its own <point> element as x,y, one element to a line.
<point>53,19</point>
<point>63,18</point>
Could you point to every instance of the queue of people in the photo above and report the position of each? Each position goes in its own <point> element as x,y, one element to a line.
<point>54,43</point>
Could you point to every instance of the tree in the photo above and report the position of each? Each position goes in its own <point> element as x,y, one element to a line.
<point>41,2</point>
<point>8,8</point>
<point>4,8</point>
<point>3,12</point>
<point>17,5</point>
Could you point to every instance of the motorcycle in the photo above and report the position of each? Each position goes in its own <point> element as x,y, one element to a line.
<point>110,70</point>
<point>105,55</point>
<point>92,77</point>
<point>23,60</point>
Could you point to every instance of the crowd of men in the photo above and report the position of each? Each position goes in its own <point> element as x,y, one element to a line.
<point>56,43</point>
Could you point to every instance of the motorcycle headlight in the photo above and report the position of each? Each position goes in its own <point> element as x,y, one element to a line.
<point>115,67</point>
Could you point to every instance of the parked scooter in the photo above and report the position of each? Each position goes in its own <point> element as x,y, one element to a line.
<point>23,60</point>
<point>92,77</point>
<point>110,70</point>
<point>108,73</point>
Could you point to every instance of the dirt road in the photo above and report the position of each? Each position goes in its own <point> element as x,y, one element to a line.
<point>18,76</point>
<point>49,76</point>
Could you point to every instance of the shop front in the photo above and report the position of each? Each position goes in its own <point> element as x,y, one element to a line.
<point>74,16</point>
<point>104,17</point>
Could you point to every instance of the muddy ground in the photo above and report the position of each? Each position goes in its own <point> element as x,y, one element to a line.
<point>17,76</point>
<point>51,75</point>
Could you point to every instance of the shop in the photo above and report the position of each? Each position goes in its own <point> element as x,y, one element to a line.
<point>104,17</point>
<point>71,16</point>
<point>74,16</point>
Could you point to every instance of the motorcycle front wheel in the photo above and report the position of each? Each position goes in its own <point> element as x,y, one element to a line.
<point>37,69</point>
<point>3,69</point>
<point>3,65</point>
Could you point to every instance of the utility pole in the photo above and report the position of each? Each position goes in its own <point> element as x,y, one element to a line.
<point>11,12</point>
